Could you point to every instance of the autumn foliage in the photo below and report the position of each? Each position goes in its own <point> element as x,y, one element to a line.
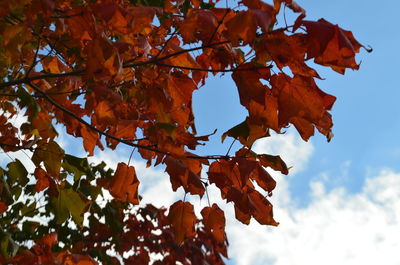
<point>123,73</point>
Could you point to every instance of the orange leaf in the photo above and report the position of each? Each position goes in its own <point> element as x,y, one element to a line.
<point>124,184</point>
<point>331,45</point>
<point>242,27</point>
<point>214,222</point>
<point>299,97</point>
<point>200,24</point>
<point>48,240</point>
<point>42,179</point>
<point>252,169</point>
<point>104,112</point>
<point>90,139</point>
<point>182,219</point>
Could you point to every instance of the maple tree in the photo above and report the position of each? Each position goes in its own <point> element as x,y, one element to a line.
<point>123,73</point>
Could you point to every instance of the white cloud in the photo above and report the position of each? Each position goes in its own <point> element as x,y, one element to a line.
<point>335,228</point>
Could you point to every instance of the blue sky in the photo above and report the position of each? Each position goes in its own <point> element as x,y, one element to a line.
<point>354,177</point>
<point>365,113</point>
<point>340,203</point>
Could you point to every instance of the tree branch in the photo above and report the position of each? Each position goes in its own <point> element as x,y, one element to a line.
<point>213,70</point>
<point>82,121</point>
<point>81,72</point>
<point>120,140</point>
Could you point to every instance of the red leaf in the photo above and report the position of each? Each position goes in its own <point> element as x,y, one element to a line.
<point>48,240</point>
<point>3,207</point>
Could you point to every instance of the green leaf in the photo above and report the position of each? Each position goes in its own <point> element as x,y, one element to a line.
<point>60,208</point>
<point>76,166</point>
<point>68,203</point>
<point>26,100</point>
<point>8,248</point>
<point>75,205</point>
<point>206,5</point>
<point>29,210</point>
<point>5,194</point>
<point>30,226</point>
<point>17,173</point>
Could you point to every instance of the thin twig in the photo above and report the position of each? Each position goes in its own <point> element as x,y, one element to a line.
<point>208,197</point>
<point>133,150</point>
<point>230,147</point>
<point>213,70</point>
<point>55,104</point>
<point>75,92</point>
<point>219,24</point>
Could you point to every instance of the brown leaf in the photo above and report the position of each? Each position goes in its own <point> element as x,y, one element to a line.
<point>262,210</point>
<point>182,176</point>
<point>274,162</point>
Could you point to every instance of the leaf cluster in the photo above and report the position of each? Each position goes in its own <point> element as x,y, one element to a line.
<point>124,73</point>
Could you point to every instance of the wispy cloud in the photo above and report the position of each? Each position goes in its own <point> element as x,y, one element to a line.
<point>335,228</point>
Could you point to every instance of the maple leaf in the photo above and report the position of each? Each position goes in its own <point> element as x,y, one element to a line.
<point>90,139</point>
<point>42,179</point>
<point>51,155</point>
<point>182,219</point>
<point>331,46</point>
<point>247,132</point>
<point>3,207</point>
<point>306,101</point>
<point>183,176</point>
<point>124,184</point>
<point>214,222</point>
<point>199,25</point>
<point>126,72</point>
